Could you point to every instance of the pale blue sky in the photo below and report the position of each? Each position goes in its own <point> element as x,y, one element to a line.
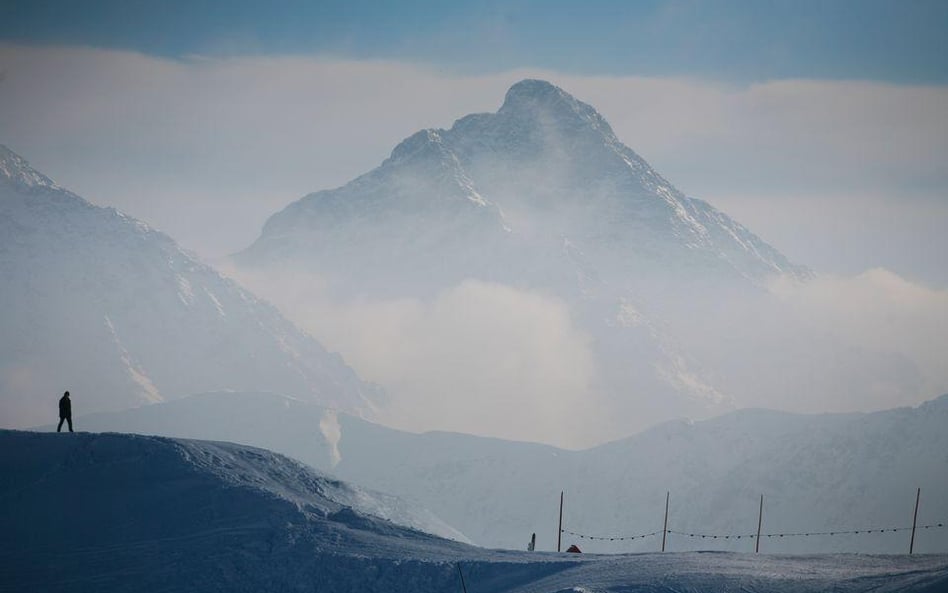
<point>733,40</point>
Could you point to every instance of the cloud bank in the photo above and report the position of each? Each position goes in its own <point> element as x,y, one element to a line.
<point>829,344</point>
<point>879,312</point>
<point>479,357</point>
<point>488,359</point>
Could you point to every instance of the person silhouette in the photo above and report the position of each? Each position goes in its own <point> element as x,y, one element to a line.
<point>65,412</point>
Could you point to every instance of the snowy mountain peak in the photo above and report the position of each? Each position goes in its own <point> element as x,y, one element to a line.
<point>420,142</point>
<point>16,170</point>
<point>531,89</point>
<point>549,166</point>
<point>533,94</point>
<point>541,100</point>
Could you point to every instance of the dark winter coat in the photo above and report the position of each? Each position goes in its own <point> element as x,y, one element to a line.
<point>65,407</point>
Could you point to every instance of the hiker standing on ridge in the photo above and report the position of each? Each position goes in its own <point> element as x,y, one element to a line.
<point>65,412</point>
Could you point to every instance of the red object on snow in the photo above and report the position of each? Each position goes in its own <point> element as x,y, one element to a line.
<point>574,550</point>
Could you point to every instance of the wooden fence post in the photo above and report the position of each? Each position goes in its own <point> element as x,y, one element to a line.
<point>760,518</point>
<point>918,494</point>
<point>665,528</point>
<point>461,574</point>
<point>559,532</point>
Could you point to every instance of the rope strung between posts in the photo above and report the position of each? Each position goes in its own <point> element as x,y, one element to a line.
<point>608,538</point>
<point>806,533</point>
<point>750,535</point>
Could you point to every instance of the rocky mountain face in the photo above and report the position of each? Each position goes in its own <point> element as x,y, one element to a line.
<point>102,305</point>
<point>544,176</point>
<point>541,196</point>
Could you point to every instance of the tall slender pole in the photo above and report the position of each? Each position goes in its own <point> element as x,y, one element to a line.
<point>559,532</point>
<point>461,574</point>
<point>760,518</point>
<point>918,494</point>
<point>665,527</point>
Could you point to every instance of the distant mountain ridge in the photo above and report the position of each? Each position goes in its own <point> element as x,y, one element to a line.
<point>101,304</point>
<point>118,512</point>
<point>817,473</point>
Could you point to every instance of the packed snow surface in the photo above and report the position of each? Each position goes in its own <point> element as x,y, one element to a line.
<point>113,512</point>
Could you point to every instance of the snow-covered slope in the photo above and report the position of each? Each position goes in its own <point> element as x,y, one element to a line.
<point>540,196</point>
<point>817,473</point>
<point>115,512</point>
<point>102,305</point>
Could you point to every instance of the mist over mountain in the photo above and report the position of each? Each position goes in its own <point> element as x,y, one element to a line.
<point>524,274</point>
<point>545,178</point>
<point>827,472</point>
<point>100,304</point>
